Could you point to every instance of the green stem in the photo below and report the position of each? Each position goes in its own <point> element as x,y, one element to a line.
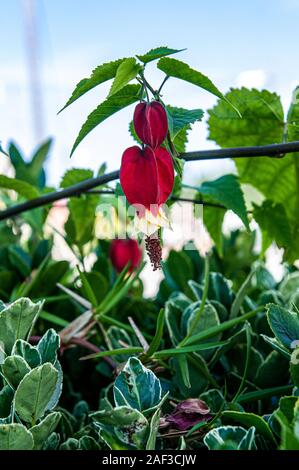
<point>202,305</point>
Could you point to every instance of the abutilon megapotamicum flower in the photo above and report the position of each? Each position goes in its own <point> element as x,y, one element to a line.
<point>150,123</point>
<point>123,252</point>
<point>147,178</point>
<point>147,175</point>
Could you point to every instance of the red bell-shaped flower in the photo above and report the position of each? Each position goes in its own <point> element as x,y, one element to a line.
<point>150,122</point>
<point>147,177</point>
<point>123,252</point>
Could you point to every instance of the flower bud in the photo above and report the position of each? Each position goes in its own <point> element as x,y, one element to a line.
<point>150,122</point>
<point>123,252</point>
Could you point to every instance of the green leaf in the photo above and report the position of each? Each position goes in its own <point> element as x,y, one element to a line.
<point>261,394</point>
<point>284,324</point>
<point>154,428</point>
<point>158,334</point>
<point>262,124</point>
<point>289,285</point>
<point>6,397</point>
<point>23,188</point>
<point>27,352</point>
<point>88,443</point>
<point>241,294</point>
<point>82,214</point>
<point>130,426</point>
<point>176,68</point>
<point>294,367</point>
<point>74,176</point>
<point>220,328</point>
<point>180,118</point>
<point>16,320</point>
<point>156,53</point>
<point>123,98</point>
<point>273,371</point>
<point>181,276</point>
<point>137,386</point>
<point>99,75</point>
<point>181,139</point>
<point>213,221</point>
<point>273,221</point>
<point>248,420</point>
<point>230,438</point>
<point>15,437</point>
<point>188,349</point>
<point>227,191</point>
<point>34,392</point>
<point>115,352</point>
<point>184,370</point>
<point>48,346</point>
<point>14,370</point>
<point>126,71</point>
<point>42,431</point>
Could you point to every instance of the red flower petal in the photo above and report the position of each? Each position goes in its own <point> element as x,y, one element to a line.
<point>124,251</point>
<point>139,176</point>
<point>147,177</point>
<point>165,174</point>
<point>150,122</point>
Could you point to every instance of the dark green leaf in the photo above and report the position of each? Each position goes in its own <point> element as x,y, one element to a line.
<point>126,96</point>
<point>176,68</point>
<point>100,74</point>
<point>156,53</point>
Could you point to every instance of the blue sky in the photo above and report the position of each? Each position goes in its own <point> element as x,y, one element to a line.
<point>235,43</point>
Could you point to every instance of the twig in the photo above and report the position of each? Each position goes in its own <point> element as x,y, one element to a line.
<point>272,151</point>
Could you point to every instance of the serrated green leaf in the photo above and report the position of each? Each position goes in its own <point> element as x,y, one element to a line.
<point>126,96</point>
<point>23,188</point>
<point>262,123</point>
<point>156,53</point>
<point>176,68</point>
<point>226,191</point>
<point>126,72</point>
<point>15,437</point>
<point>74,176</point>
<point>180,118</point>
<point>99,75</point>
<point>273,221</point>
<point>34,393</point>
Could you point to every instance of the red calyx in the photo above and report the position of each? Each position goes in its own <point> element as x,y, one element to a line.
<point>123,252</point>
<point>146,177</point>
<point>150,122</point>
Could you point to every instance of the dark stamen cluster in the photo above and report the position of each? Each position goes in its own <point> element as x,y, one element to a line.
<point>154,251</point>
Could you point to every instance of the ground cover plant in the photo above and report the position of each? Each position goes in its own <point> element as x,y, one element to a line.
<point>87,362</point>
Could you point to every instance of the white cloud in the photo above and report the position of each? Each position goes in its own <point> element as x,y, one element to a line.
<point>252,79</point>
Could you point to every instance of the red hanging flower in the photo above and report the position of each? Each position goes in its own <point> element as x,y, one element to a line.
<point>147,177</point>
<point>150,122</point>
<point>124,251</point>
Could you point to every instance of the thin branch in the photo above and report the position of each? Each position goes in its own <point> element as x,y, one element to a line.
<point>272,151</point>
